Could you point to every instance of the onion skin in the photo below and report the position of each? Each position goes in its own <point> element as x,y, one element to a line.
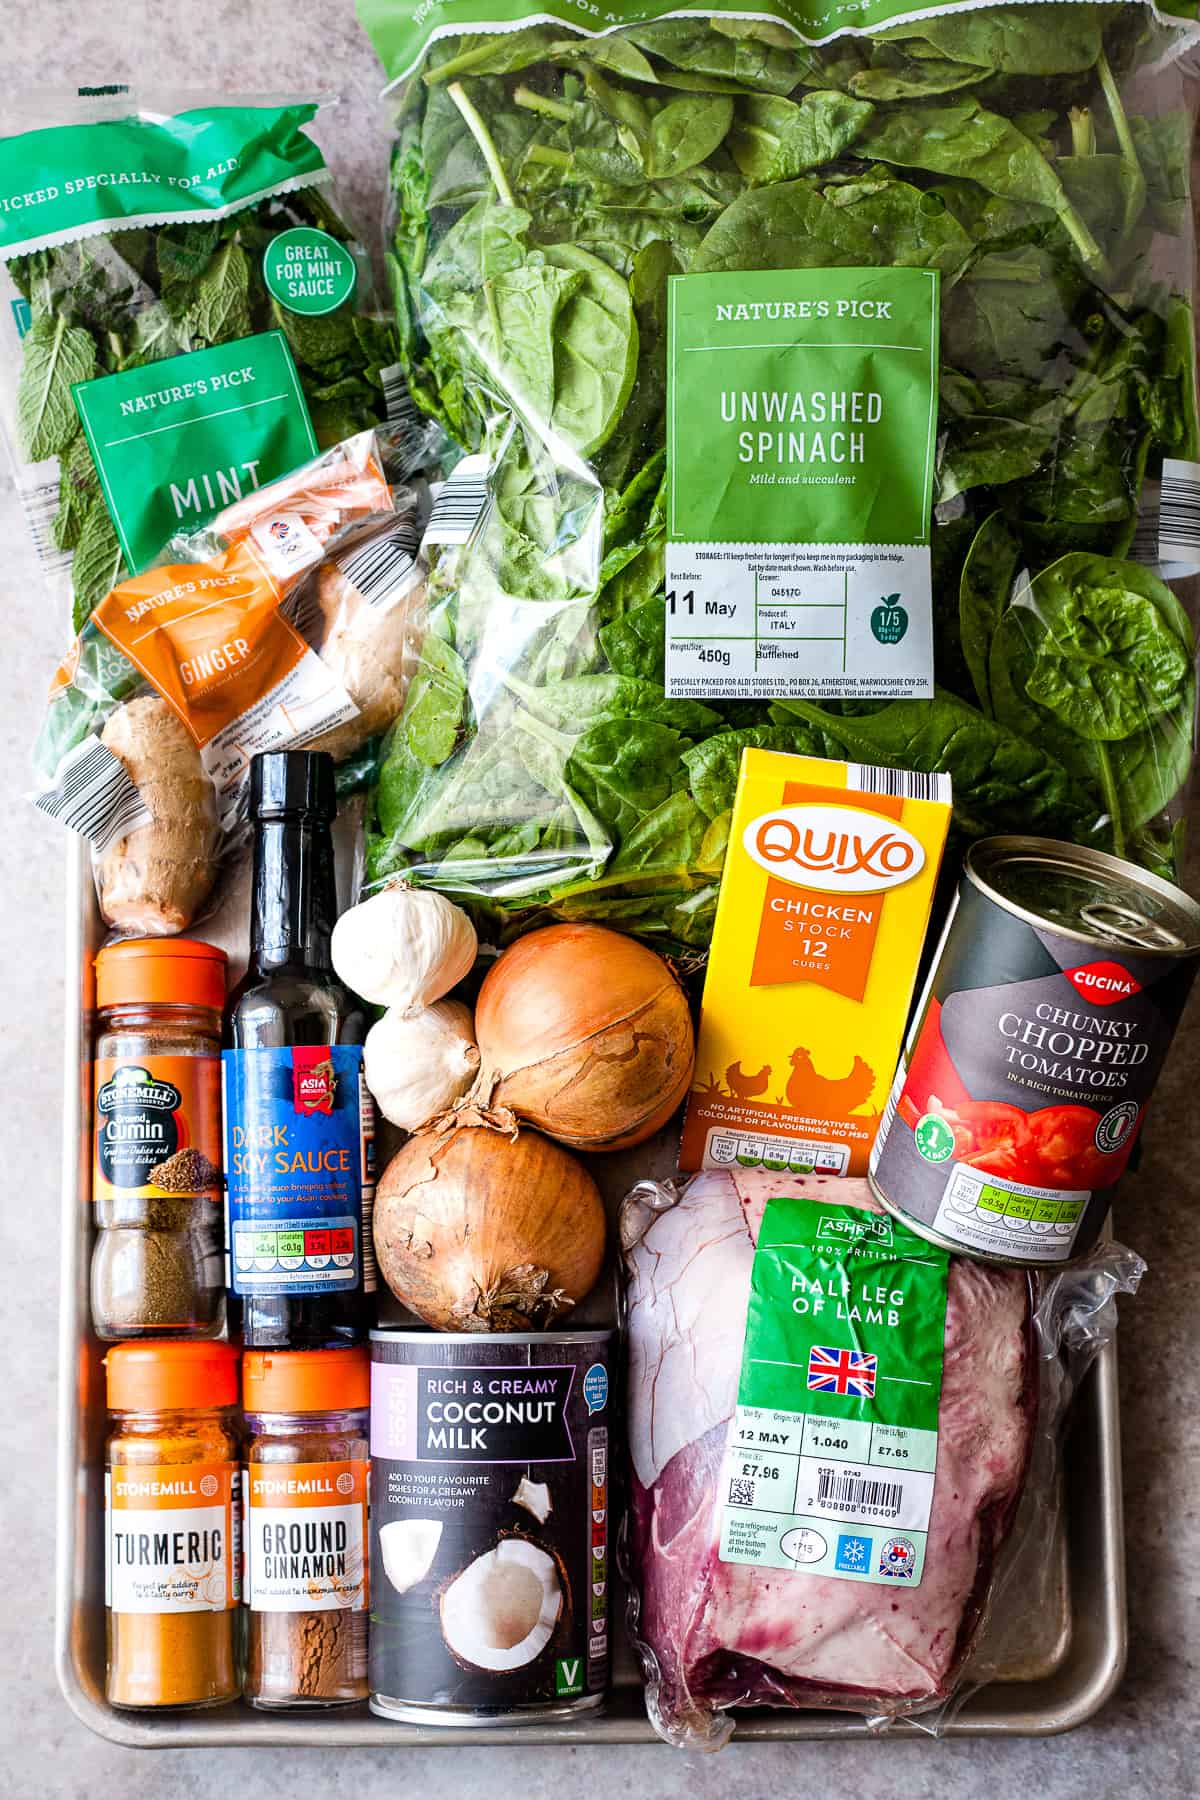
<point>477,1230</point>
<point>587,1034</point>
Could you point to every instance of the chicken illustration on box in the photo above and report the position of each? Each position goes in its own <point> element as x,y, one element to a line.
<point>746,1087</point>
<point>821,1097</point>
<point>825,898</point>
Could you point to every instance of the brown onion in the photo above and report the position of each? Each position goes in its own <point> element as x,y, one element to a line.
<point>587,1034</point>
<point>478,1230</point>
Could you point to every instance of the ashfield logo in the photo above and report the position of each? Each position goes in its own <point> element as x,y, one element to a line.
<point>856,1230</point>
<point>836,849</point>
<point>1103,983</point>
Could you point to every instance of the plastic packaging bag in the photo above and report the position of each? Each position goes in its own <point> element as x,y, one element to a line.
<point>283,623</point>
<point>547,184</point>
<point>719,1631</point>
<point>187,316</point>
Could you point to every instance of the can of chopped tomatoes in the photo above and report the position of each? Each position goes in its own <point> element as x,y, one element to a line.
<point>1053,998</point>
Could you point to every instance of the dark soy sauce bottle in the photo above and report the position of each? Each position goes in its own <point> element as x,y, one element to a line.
<point>299,1123</point>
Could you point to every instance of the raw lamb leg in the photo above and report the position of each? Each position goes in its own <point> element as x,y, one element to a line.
<point>726,1634</point>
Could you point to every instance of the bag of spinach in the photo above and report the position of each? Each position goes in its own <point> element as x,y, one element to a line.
<point>826,390</point>
<point>188,319</point>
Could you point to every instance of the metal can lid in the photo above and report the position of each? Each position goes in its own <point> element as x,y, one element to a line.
<point>1086,894</point>
<point>399,1334</point>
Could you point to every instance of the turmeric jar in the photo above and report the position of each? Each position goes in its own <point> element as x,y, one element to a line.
<point>158,1265</point>
<point>172,1566</point>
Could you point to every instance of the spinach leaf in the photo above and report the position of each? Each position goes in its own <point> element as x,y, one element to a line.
<point>686,132</point>
<point>985,588</point>
<point>1112,649</point>
<point>969,142</point>
<point>776,139</point>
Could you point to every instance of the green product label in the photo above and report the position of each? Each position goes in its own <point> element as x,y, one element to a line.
<point>400,31</point>
<point>832,1453</point>
<point>568,1675</point>
<point>176,441</point>
<point>308,271</point>
<point>68,181</point>
<point>802,420</point>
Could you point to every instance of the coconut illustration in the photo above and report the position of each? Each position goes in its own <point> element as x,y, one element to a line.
<point>501,1611</point>
<point>408,1547</point>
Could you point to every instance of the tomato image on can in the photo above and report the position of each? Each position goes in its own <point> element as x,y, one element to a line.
<point>1050,1007</point>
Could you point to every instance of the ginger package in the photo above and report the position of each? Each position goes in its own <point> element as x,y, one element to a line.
<point>282,624</point>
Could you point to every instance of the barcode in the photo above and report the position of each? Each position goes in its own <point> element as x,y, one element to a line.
<point>850,1492</point>
<point>902,784</point>
<point>370,1268</point>
<point>398,404</point>
<point>887,1120</point>
<point>384,564</point>
<point>741,1491</point>
<point>94,794</point>
<point>1144,548</point>
<point>1179,512</point>
<point>458,502</point>
<point>40,504</point>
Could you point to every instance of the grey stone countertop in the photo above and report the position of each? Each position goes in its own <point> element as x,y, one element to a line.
<point>1145,1743</point>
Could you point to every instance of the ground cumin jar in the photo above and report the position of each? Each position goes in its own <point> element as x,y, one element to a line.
<point>157,1268</point>
<point>306,1526</point>
<point>172,1565</point>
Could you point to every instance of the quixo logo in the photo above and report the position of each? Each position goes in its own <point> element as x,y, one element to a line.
<point>835,849</point>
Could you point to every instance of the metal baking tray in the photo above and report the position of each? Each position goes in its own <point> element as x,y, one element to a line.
<point>1055,1666</point>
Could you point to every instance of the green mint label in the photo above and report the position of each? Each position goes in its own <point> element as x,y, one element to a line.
<point>66,181</point>
<point>802,414</point>
<point>176,441</point>
<point>308,271</point>
<point>833,1447</point>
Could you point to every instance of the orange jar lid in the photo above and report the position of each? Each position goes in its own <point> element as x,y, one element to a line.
<point>306,1381</point>
<point>171,1377</point>
<point>162,971</point>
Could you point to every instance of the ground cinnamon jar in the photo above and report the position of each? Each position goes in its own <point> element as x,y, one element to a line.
<point>158,1268</point>
<point>306,1526</point>
<point>172,1567</point>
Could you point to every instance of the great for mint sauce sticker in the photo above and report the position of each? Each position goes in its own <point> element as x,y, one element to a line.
<point>308,271</point>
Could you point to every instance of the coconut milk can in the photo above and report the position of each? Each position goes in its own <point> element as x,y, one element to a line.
<point>489,1524</point>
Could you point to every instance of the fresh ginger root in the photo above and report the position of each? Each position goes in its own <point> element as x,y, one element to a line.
<point>367,650</point>
<point>154,881</point>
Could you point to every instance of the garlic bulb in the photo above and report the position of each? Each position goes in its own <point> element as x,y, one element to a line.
<point>417,1064</point>
<point>404,947</point>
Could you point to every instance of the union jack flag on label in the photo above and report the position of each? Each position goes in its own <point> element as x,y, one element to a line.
<point>835,1371</point>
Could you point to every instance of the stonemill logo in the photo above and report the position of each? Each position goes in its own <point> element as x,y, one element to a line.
<point>835,849</point>
<point>1103,983</point>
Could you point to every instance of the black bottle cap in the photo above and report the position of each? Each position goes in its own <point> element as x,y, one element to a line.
<point>293,784</point>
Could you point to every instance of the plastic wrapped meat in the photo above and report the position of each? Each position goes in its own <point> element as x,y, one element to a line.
<point>717,1634</point>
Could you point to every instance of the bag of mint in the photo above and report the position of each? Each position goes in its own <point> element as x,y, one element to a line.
<point>831,391</point>
<point>189,317</point>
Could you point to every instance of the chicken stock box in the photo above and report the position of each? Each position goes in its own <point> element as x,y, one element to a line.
<point>825,900</point>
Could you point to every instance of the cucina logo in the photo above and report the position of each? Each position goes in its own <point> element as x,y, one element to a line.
<point>837,849</point>
<point>1103,983</point>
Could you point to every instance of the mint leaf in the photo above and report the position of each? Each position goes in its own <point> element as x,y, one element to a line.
<point>56,355</point>
<point>220,306</point>
<point>97,565</point>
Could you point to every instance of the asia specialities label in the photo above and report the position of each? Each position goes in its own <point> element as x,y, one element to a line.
<point>830,1464</point>
<point>802,418</point>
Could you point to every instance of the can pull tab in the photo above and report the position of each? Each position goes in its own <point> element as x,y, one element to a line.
<point>1129,926</point>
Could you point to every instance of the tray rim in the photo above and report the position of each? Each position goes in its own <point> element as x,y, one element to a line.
<point>991,1712</point>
